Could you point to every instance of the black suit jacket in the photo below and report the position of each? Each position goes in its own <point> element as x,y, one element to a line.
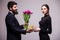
<point>14,30</point>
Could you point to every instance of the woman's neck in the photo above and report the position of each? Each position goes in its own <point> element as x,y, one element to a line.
<point>46,14</point>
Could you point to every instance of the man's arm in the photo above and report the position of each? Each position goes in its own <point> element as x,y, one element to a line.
<point>14,27</point>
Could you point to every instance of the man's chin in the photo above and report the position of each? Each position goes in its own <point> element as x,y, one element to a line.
<point>15,13</point>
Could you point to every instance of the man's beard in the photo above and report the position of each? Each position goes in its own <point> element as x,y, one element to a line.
<point>15,12</point>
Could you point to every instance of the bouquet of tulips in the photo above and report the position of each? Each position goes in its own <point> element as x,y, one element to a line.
<point>26,15</point>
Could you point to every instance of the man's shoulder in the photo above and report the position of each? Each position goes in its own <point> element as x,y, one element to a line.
<point>9,15</point>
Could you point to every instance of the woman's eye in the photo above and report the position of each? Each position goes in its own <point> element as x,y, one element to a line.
<point>41,9</point>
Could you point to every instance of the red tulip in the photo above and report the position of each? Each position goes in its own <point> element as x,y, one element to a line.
<point>27,12</point>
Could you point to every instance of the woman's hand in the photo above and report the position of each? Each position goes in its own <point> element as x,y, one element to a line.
<point>36,29</point>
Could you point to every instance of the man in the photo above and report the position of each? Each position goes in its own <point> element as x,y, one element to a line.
<point>14,30</point>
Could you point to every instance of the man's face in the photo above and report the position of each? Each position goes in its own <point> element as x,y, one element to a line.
<point>14,9</point>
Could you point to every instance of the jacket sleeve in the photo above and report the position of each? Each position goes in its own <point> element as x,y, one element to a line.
<point>14,27</point>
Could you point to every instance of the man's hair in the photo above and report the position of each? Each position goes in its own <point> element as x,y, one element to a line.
<point>10,4</point>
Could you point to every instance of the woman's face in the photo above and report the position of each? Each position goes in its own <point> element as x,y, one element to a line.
<point>44,10</point>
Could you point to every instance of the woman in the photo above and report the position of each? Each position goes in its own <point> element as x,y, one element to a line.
<point>45,24</point>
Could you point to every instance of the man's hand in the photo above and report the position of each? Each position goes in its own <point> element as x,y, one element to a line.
<point>29,30</point>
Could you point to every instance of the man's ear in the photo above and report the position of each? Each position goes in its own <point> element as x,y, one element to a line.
<point>10,8</point>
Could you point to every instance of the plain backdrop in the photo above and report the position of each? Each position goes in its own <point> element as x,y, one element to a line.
<point>35,7</point>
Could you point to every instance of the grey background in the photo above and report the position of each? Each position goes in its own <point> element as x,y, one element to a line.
<point>35,7</point>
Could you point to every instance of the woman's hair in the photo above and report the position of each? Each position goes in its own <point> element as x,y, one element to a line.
<point>45,6</point>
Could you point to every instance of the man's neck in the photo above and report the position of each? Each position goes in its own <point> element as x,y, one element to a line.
<point>11,12</point>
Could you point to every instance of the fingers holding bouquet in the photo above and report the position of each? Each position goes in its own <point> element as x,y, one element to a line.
<point>34,29</point>
<point>30,29</point>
